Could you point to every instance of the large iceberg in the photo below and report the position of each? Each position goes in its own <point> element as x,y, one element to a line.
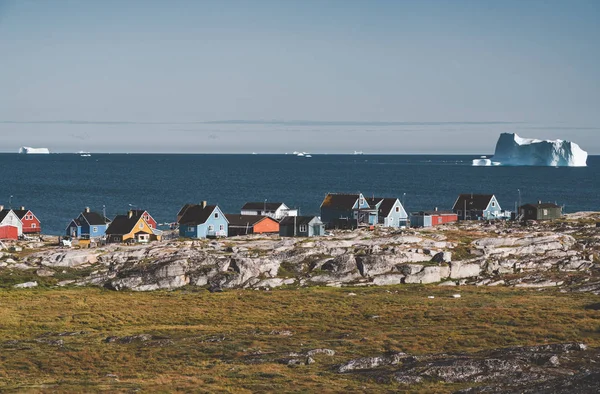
<point>27,150</point>
<point>512,150</point>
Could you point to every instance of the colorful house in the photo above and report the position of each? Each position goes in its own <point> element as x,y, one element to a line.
<point>88,225</point>
<point>10,224</point>
<point>275,210</point>
<point>478,207</point>
<point>301,226</point>
<point>131,227</point>
<point>432,218</point>
<point>347,211</point>
<point>251,224</point>
<point>147,217</point>
<point>390,212</point>
<point>203,221</point>
<point>541,211</point>
<point>31,224</point>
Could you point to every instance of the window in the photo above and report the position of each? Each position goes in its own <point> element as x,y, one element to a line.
<point>459,212</point>
<point>141,225</point>
<point>216,215</point>
<point>221,227</point>
<point>190,228</point>
<point>545,212</point>
<point>33,225</point>
<point>29,217</point>
<point>391,220</point>
<point>361,202</point>
<point>303,228</point>
<point>493,203</point>
<point>397,209</point>
<point>95,229</point>
<point>211,227</point>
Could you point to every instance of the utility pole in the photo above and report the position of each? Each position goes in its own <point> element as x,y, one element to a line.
<point>10,202</point>
<point>519,209</point>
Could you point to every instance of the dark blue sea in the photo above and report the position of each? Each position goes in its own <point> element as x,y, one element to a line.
<point>57,187</point>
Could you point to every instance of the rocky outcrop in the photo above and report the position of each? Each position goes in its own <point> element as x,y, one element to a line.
<point>528,258</point>
<point>517,369</point>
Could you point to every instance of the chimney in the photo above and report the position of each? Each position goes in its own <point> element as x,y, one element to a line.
<point>130,214</point>
<point>203,204</point>
<point>22,208</point>
<point>436,209</point>
<point>539,202</point>
<point>87,210</point>
<point>1,207</point>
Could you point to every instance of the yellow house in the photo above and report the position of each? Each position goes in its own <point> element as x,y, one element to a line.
<point>131,228</point>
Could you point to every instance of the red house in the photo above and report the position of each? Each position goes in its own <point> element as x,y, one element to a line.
<point>31,224</point>
<point>432,218</point>
<point>147,217</point>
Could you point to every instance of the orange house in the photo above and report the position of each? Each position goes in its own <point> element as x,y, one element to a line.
<point>251,224</point>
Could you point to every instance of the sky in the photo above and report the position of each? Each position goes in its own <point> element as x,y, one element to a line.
<point>272,76</point>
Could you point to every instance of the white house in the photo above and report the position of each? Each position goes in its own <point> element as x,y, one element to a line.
<point>275,210</point>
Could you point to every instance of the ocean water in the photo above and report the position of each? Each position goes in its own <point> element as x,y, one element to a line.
<point>57,187</point>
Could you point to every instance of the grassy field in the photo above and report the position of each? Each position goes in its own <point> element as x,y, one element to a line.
<point>233,341</point>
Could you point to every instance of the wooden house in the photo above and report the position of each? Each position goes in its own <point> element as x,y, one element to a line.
<point>390,212</point>
<point>347,211</point>
<point>11,226</point>
<point>147,217</point>
<point>203,221</point>
<point>541,211</point>
<point>251,224</point>
<point>31,224</point>
<point>131,227</point>
<point>88,225</point>
<point>432,218</point>
<point>275,210</point>
<point>301,226</point>
<point>478,207</point>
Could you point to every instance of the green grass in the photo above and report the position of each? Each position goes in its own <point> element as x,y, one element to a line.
<point>207,341</point>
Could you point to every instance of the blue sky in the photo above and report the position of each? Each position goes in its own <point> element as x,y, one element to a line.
<point>443,76</point>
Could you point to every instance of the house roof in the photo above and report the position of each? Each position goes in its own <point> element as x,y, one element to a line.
<point>196,214</point>
<point>183,209</point>
<point>339,201</point>
<point>123,224</point>
<point>543,205</point>
<point>244,220</point>
<point>3,214</point>
<point>477,202</point>
<point>269,206</point>
<point>20,212</point>
<point>299,220</point>
<point>387,203</point>
<point>95,219</point>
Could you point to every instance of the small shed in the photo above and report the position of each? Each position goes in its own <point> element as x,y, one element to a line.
<point>301,226</point>
<point>251,224</point>
<point>540,211</point>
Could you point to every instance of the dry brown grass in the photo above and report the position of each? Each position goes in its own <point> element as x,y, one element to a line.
<point>185,356</point>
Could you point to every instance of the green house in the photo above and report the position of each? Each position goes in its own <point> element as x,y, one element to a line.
<point>541,211</point>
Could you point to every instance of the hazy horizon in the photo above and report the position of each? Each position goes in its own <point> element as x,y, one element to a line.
<point>402,77</point>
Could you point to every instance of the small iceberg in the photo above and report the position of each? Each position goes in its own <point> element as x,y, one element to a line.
<point>27,150</point>
<point>484,162</point>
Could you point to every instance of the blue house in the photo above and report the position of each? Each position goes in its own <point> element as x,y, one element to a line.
<point>88,225</point>
<point>347,211</point>
<point>202,221</point>
<point>478,207</point>
<point>390,212</point>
